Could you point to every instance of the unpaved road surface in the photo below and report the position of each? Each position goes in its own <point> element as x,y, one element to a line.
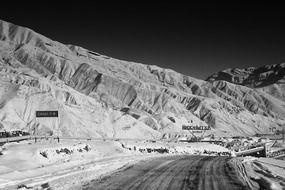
<point>175,172</point>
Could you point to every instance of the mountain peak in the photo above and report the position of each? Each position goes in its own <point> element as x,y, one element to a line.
<point>19,35</point>
<point>252,76</point>
<point>100,96</point>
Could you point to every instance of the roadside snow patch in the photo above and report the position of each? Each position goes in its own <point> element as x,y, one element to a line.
<point>64,152</point>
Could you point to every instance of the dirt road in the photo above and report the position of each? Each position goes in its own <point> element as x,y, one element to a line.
<point>175,172</point>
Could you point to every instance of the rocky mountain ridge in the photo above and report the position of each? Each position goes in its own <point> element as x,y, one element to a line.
<point>100,96</point>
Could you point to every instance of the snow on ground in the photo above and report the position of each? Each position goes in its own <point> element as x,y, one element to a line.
<point>27,161</point>
<point>71,162</point>
<point>176,148</point>
<point>276,167</point>
<point>269,173</point>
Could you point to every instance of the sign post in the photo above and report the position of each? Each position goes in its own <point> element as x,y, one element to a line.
<point>282,133</point>
<point>196,129</point>
<point>51,113</point>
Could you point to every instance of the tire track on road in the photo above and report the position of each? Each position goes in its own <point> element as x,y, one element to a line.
<point>176,172</point>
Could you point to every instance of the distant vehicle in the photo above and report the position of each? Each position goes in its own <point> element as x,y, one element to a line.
<point>263,139</point>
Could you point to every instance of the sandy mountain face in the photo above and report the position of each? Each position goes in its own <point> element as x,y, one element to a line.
<point>99,96</point>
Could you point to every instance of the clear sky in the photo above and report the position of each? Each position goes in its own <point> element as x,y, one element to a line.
<point>194,39</point>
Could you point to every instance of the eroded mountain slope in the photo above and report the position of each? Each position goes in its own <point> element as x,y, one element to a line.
<point>97,95</point>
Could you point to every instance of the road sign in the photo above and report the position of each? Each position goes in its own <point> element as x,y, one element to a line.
<point>46,113</point>
<point>195,127</point>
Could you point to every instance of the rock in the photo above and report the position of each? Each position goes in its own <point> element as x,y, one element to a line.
<point>99,96</point>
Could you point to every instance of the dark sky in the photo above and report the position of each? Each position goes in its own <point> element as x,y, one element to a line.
<point>194,39</point>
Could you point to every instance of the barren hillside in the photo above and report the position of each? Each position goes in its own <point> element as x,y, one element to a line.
<point>100,96</point>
